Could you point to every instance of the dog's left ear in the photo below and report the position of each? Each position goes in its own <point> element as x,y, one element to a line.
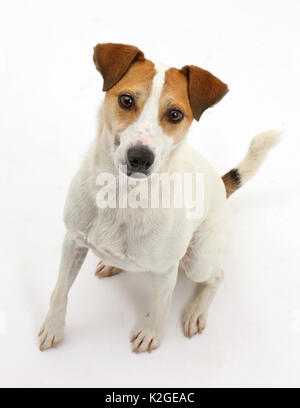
<point>204,89</point>
<point>113,61</point>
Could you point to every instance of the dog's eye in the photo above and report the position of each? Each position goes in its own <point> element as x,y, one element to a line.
<point>175,116</point>
<point>126,101</point>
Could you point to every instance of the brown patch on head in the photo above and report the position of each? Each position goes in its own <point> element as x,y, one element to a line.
<point>175,97</point>
<point>114,60</point>
<point>137,82</point>
<point>186,93</point>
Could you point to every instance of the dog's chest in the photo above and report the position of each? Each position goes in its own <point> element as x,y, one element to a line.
<point>110,241</point>
<point>135,244</point>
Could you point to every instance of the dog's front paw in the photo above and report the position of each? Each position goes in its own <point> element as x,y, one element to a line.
<point>51,333</point>
<point>104,271</point>
<point>194,320</point>
<point>146,339</point>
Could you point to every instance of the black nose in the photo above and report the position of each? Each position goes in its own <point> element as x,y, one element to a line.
<point>140,158</point>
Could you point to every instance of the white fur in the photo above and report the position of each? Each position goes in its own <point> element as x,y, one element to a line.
<point>156,240</point>
<point>258,150</point>
<point>147,127</point>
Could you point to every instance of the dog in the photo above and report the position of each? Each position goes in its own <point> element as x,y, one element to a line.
<point>146,114</point>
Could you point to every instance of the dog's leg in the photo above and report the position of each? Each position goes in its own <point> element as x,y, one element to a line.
<point>52,330</point>
<point>104,271</point>
<point>195,316</point>
<point>148,336</point>
<point>202,264</point>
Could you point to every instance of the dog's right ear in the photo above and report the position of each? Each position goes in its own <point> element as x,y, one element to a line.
<point>113,61</point>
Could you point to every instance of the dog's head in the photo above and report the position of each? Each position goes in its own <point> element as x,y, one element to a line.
<point>148,108</point>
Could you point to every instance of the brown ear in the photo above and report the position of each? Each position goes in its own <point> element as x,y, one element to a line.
<point>204,89</point>
<point>113,61</point>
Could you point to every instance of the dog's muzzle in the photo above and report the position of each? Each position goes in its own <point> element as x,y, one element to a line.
<point>139,160</point>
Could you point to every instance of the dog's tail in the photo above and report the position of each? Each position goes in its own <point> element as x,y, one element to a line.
<point>258,149</point>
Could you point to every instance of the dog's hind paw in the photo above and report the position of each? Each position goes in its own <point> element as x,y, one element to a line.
<point>194,321</point>
<point>104,271</point>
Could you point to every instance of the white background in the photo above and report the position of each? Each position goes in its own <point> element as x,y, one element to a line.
<point>49,94</point>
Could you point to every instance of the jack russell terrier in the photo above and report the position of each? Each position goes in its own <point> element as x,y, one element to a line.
<point>146,114</point>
